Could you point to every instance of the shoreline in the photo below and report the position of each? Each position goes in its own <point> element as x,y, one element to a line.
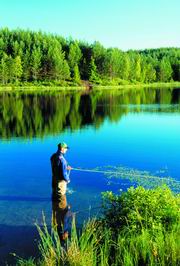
<point>42,88</point>
<point>149,85</point>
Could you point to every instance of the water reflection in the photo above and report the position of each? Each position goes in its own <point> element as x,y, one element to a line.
<point>61,217</point>
<point>29,115</point>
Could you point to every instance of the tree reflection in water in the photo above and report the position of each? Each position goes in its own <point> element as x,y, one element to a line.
<point>38,115</point>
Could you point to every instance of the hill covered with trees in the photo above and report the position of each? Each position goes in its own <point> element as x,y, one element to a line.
<point>37,57</point>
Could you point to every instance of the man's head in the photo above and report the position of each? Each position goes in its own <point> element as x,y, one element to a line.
<point>63,147</point>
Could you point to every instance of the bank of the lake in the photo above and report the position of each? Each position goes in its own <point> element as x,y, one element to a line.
<point>40,87</point>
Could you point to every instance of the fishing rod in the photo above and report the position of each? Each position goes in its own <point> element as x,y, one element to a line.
<point>92,170</point>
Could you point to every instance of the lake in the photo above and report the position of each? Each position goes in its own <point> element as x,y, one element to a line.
<point>137,129</point>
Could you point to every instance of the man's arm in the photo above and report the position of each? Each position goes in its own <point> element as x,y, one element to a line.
<point>65,171</point>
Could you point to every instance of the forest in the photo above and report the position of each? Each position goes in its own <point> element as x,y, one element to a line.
<point>44,58</point>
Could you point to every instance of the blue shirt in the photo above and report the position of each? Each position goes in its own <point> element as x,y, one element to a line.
<point>59,166</point>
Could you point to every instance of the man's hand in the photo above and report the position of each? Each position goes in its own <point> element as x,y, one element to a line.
<point>69,167</point>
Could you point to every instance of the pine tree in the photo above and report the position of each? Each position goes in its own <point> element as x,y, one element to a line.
<point>15,47</point>
<point>93,75</point>
<point>150,73</point>
<point>165,71</point>
<point>74,54</point>
<point>4,71</point>
<point>11,69</point>
<point>43,57</point>
<point>76,75</point>
<point>58,66</point>
<point>18,70</point>
<point>35,63</point>
<point>98,53</point>
<point>66,71</point>
<point>137,68</point>
<point>125,71</point>
<point>113,63</point>
<point>2,46</point>
<point>26,67</point>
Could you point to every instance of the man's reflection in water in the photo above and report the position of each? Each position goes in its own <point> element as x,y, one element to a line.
<point>61,217</point>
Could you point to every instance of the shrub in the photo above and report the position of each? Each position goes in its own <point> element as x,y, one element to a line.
<point>141,208</point>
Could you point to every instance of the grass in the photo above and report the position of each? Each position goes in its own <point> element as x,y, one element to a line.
<point>42,88</point>
<point>148,248</point>
<point>53,87</point>
<point>99,248</point>
<point>146,238</point>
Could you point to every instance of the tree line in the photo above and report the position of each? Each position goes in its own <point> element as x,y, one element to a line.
<point>27,56</point>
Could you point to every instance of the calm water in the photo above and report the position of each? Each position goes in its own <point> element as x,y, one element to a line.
<point>139,129</point>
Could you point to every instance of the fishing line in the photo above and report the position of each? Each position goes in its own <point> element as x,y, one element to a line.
<point>130,174</point>
<point>88,209</point>
<point>119,173</point>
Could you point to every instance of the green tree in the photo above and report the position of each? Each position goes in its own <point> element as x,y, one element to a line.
<point>35,63</point>
<point>2,47</point>
<point>137,68</point>
<point>26,66</point>
<point>15,47</point>
<point>18,70</point>
<point>4,71</point>
<point>113,63</point>
<point>93,75</point>
<point>76,76</point>
<point>43,57</point>
<point>11,69</point>
<point>98,53</point>
<point>58,66</point>
<point>165,70</point>
<point>74,55</point>
<point>150,73</point>
<point>66,70</point>
<point>125,71</point>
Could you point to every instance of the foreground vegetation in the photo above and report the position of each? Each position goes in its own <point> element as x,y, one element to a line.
<point>51,60</point>
<point>139,227</point>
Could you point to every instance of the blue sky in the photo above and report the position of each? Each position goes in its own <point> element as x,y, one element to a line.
<point>126,24</point>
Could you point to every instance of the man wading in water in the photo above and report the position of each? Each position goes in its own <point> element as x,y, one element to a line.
<point>60,172</point>
<point>61,215</point>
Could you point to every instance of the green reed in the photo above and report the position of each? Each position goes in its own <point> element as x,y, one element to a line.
<point>148,249</point>
<point>131,249</point>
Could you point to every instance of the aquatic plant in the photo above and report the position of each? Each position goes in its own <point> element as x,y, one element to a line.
<point>139,177</point>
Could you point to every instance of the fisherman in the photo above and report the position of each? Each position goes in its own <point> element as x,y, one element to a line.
<point>60,172</point>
